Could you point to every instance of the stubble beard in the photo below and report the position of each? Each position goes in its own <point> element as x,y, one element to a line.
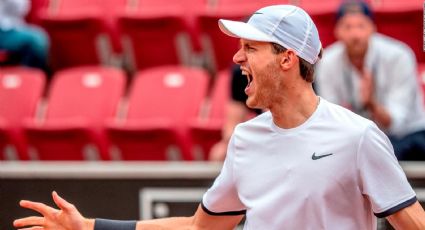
<point>265,86</point>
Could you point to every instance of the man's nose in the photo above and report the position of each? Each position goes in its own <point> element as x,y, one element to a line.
<point>239,56</point>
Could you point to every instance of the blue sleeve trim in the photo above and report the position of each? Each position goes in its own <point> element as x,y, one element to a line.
<point>104,224</point>
<point>231,213</point>
<point>396,208</point>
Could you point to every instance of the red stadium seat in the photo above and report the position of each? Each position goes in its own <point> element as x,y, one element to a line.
<point>79,102</point>
<point>154,39</point>
<point>20,92</point>
<point>37,6</point>
<point>162,102</point>
<point>205,132</point>
<point>187,10</point>
<point>82,32</point>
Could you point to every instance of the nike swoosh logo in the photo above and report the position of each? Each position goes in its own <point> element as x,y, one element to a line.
<point>317,157</point>
<point>257,13</point>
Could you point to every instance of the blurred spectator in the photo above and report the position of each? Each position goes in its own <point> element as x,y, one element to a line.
<point>374,76</point>
<point>236,112</point>
<point>27,43</point>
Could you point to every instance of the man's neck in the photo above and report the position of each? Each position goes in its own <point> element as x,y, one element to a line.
<point>357,60</point>
<point>295,109</point>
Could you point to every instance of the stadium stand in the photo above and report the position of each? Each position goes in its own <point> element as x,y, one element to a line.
<point>161,103</point>
<point>157,33</point>
<point>21,90</point>
<point>79,102</point>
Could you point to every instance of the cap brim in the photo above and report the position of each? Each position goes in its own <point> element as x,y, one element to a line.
<point>243,30</point>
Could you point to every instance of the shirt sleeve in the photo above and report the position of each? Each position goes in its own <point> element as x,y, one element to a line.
<point>222,198</point>
<point>381,178</point>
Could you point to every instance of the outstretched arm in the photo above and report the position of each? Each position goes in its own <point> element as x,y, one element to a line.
<point>67,217</point>
<point>412,217</point>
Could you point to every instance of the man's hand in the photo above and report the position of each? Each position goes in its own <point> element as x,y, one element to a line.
<point>66,218</point>
<point>378,113</point>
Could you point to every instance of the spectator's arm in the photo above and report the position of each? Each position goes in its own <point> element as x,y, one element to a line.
<point>379,114</point>
<point>236,112</point>
<point>401,92</point>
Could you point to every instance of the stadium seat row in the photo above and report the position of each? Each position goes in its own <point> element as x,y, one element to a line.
<point>167,114</point>
<point>139,34</point>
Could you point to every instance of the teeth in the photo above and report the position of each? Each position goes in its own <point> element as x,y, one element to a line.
<point>249,77</point>
<point>245,73</point>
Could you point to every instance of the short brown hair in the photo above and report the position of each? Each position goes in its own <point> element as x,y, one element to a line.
<point>306,69</point>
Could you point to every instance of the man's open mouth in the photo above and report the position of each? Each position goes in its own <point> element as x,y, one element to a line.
<point>248,77</point>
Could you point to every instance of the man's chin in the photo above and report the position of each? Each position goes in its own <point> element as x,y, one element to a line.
<point>356,51</point>
<point>252,104</point>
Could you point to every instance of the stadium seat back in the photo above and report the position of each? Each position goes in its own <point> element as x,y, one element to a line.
<point>170,92</point>
<point>161,103</point>
<point>80,101</point>
<point>82,32</point>
<point>21,90</point>
<point>153,39</point>
<point>89,92</point>
<point>206,132</point>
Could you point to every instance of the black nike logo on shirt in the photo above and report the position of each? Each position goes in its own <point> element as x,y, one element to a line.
<point>317,157</point>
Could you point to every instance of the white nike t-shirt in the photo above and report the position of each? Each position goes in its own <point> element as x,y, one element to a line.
<point>335,171</point>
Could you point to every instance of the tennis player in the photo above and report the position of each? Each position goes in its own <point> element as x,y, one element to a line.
<point>304,164</point>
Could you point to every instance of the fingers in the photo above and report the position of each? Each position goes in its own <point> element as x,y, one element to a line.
<point>29,221</point>
<point>36,206</point>
<point>61,203</point>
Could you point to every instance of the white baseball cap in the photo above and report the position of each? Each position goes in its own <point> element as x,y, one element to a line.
<point>286,25</point>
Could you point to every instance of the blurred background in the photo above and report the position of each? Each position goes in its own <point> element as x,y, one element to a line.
<point>116,104</point>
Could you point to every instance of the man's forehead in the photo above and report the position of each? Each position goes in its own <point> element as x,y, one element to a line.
<point>357,17</point>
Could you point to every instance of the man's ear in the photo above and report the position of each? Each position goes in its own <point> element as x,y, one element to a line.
<point>288,59</point>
